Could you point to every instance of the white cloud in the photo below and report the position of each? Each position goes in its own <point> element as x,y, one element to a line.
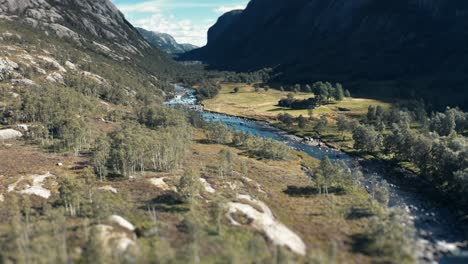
<point>225,9</point>
<point>184,31</point>
<point>143,7</point>
<point>154,15</point>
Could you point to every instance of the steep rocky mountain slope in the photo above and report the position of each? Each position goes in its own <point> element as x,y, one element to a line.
<point>394,47</point>
<point>96,24</point>
<point>165,42</point>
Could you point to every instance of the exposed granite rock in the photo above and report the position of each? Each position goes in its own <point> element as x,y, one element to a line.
<point>78,20</point>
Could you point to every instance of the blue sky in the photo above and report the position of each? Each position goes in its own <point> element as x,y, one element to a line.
<point>186,20</point>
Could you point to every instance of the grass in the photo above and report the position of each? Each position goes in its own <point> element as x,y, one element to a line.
<point>318,219</point>
<point>247,102</point>
<point>262,105</point>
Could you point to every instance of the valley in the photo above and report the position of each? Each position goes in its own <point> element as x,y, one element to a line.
<point>116,147</point>
<point>429,216</point>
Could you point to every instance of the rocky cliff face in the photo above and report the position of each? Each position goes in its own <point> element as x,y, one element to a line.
<point>165,42</point>
<point>416,44</point>
<point>83,21</point>
<point>223,23</point>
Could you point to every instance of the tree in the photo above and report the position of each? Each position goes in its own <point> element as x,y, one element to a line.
<point>297,88</point>
<point>343,124</point>
<point>442,123</point>
<point>321,91</point>
<point>226,160</point>
<point>219,133</point>
<point>327,173</point>
<point>371,113</point>
<point>127,147</point>
<point>338,92</point>
<point>380,126</point>
<point>321,124</point>
<point>208,89</point>
<point>366,138</point>
<point>422,147</point>
<point>379,112</point>
<point>101,154</point>
<point>71,194</point>
<point>301,121</point>
<point>189,186</point>
<point>270,149</point>
<point>217,213</point>
<point>286,119</point>
<point>381,193</point>
<point>347,94</point>
<point>461,119</point>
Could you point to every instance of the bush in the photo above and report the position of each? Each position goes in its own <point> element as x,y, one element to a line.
<point>391,237</point>
<point>218,133</point>
<point>270,149</point>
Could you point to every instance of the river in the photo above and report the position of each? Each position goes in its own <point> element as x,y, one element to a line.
<point>439,235</point>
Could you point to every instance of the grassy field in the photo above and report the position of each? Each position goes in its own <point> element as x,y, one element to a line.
<point>263,105</point>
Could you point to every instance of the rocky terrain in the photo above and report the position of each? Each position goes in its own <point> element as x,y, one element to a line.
<point>165,42</point>
<point>98,24</point>
<point>374,47</point>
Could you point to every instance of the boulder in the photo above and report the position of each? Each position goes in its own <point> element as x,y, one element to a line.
<point>6,134</point>
<point>55,77</point>
<point>122,222</point>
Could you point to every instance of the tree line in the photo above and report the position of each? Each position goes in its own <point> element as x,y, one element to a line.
<point>434,144</point>
<point>324,93</point>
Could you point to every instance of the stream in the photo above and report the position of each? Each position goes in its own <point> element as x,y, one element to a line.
<point>439,236</point>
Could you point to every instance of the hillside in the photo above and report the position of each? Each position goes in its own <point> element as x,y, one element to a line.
<point>165,42</point>
<point>95,25</point>
<point>376,48</point>
<point>95,168</point>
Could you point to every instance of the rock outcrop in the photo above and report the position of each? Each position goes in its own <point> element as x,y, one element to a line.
<point>79,20</point>
<point>6,134</point>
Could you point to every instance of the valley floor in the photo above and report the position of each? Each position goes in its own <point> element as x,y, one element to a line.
<point>262,105</point>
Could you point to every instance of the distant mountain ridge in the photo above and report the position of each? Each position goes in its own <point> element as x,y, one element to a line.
<point>165,42</point>
<point>408,47</point>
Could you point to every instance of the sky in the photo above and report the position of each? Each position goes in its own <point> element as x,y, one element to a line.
<point>187,21</point>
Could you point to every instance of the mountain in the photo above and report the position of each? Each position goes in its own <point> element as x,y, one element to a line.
<point>404,48</point>
<point>224,22</point>
<point>165,42</point>
<point>79,43</point>
<point>98,24</point>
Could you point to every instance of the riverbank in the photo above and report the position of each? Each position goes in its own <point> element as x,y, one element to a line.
<point>342,219</point>
<point>429,208</point>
